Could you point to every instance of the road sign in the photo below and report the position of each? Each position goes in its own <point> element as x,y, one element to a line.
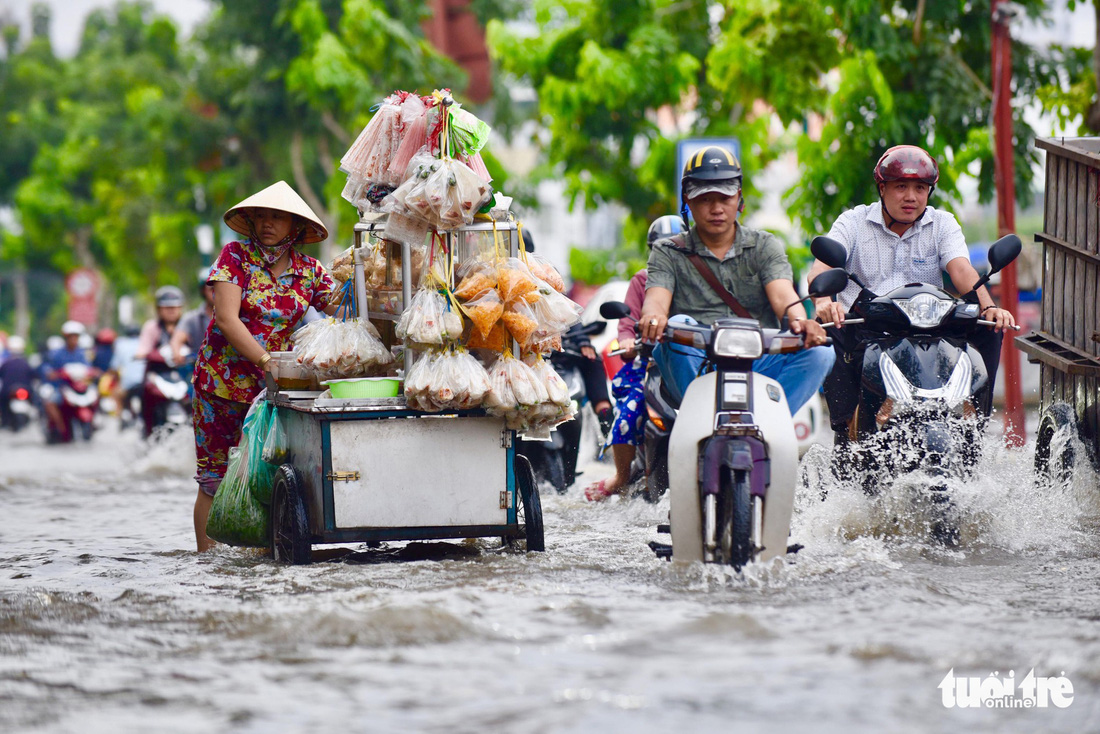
<point>82,286</point>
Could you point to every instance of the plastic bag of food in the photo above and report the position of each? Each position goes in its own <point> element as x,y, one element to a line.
<point>475,281</point>
<point>370,156</point>
<point>342,266</point>
<point>336,349</point>
<point>276,447</point>
<point>260,474</point>
<point>471,380</point>
<point>520,320</point>
<point>484,310</point>
<point>471,192</point>
<point>496,340</point>
<point>556,389</point>
<point>541,268</point>
<point>417,381</point>
<point>500,398</point>
<point>554,313</point>
<point>236,517</point>
<point>514,280</point>
<point>429,319</point>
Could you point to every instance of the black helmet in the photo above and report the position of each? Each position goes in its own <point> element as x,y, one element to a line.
<point>168,296</point>
<point>665,226</point>
<point>712,163</point>
<point>528,240</point>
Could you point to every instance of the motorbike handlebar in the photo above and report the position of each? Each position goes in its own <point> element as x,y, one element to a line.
<point>983,322</point>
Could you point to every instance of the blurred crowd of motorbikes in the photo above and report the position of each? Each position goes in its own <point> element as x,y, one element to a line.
<point>72,382</point>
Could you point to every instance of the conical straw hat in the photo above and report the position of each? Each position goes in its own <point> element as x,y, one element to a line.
<point>278,196</point>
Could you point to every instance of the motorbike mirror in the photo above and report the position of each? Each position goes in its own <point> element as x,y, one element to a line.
<point>829,251</point>
<point>592,328</point>
<point>614,310</point>
<point>829,283</point>
<point>1004,251</point>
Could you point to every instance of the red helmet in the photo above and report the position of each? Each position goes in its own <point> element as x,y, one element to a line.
<point>105,336</point>
<point>907,162</point>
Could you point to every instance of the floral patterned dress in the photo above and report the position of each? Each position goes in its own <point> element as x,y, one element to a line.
<point>226,382</point>
<point>270,308</point>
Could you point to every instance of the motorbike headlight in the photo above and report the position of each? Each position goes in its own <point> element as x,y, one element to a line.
<point>925,310</point>
<point>900,390</point>
<point>738,343</point>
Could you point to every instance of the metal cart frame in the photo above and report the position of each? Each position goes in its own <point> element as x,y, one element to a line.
<point>373,470</point>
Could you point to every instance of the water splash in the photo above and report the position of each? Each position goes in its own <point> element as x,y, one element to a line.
<point>1000,504</point>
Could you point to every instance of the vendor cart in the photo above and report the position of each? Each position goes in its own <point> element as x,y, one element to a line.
<point>1067,345</point>
<point>370,470</point>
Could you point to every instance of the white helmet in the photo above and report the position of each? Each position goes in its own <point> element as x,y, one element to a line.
<point>72,327</point>
<point>16,344</point>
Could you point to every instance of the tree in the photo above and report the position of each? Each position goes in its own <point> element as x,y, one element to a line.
<point>878,72</point>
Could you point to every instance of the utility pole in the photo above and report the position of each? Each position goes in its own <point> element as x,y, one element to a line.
<point>1005,176</point>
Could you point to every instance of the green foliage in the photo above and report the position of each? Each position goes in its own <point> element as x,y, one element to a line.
<point>877,72</point>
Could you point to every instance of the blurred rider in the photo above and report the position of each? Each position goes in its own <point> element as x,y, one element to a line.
<point>156,333</point>
<point>69,353</point>
<point>15,372</point>
<point>192,327</point>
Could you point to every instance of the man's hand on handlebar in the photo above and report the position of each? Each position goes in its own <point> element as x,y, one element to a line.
<point>652,326</point>
<point>1002,318</point>
<point>831,312</point>
<point>814,333</point>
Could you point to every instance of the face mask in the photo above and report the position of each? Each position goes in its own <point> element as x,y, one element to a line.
<point>272,253</point>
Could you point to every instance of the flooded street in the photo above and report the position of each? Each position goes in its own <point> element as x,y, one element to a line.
<point>109,622</point>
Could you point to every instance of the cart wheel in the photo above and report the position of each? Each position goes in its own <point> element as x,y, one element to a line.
<point>289,521</point>
<point>1055,460</point>
<point>530,505</point>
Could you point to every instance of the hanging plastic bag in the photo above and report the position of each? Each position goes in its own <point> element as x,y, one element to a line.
<point>484,310</point>
<point>259,475</point>
<point>236,517</point>
<point>541,268</point>
<point>520,320</point>
<point>276,444</point>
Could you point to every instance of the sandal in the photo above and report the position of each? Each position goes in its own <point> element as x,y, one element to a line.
<point>598,491</point>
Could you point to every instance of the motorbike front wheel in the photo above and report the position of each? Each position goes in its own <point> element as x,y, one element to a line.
<point>735,518</point>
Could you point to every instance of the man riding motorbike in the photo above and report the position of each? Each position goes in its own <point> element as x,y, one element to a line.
<point>56,359</point>
<point>155,334</point>
<point>721,268</point>
<point>897,241</point>
<point>16,374</point>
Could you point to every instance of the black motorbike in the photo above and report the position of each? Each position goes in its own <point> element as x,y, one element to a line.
<point>925,392</point>
<point>555,461</point>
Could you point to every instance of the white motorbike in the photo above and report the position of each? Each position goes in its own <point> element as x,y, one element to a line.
<point>732,452</point>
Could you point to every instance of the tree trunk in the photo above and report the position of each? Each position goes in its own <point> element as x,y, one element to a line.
<point>18,279</point>
<point>297,164</point>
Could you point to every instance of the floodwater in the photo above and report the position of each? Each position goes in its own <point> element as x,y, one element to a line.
<point>109,622</point>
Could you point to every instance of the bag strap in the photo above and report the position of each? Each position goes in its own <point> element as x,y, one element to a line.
<point>680,242</point>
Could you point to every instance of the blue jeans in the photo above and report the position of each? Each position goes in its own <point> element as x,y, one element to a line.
<point>800,374</point>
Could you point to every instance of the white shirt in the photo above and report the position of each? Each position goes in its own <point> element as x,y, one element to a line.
<point>882,260</point>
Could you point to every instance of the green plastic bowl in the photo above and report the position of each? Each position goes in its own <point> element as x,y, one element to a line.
<point>365,387</point>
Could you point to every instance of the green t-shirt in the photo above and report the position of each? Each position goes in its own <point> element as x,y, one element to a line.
<point>756,259</point>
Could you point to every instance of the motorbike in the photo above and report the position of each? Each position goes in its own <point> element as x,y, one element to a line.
<point>923,385</point>
<point>555,460</point>
<point>79,400</point>
<point>727,453</point>
<point>18,410</point>
<point>165,392</point>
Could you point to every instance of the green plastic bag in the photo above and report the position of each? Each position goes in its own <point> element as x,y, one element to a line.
<point>259,475</point>
<point>236,517</point>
